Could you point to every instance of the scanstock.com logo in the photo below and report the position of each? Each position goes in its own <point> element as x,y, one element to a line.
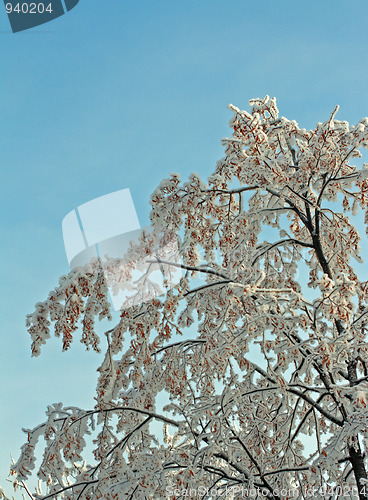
<point>105,232</point>
<point>26,14</point>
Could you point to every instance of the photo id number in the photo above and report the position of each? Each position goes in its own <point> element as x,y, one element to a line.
<point>31,8</point>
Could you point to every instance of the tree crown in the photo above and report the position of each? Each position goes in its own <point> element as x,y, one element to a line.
<point>260,344</point>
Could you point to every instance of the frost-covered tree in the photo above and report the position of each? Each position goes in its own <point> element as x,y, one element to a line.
<point>249,377</point>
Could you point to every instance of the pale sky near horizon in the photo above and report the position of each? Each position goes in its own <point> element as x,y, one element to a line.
<point>116,95</point>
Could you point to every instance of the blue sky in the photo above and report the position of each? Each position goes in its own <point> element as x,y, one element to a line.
<point>118,94</point>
